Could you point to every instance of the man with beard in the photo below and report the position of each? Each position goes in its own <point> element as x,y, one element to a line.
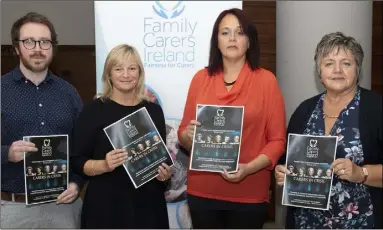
<point>35,102</point>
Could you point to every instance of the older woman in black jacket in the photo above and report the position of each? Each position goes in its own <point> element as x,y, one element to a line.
<point>354,114</point>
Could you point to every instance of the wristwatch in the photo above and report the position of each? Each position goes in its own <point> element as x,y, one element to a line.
<point>365,173</point>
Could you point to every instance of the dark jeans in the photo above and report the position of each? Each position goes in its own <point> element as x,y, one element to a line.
<point>217,214</point>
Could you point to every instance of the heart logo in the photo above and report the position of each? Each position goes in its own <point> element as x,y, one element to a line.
<point>127,124</point>
<point>313,143</point>
<point>220,112</point>
<point>168,9</point>
<point>47,142</point>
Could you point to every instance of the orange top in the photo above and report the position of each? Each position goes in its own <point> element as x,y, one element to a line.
<point>264,131</point>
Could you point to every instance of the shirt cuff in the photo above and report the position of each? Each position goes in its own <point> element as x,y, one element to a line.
<point>4,154</point>
<point>272,165</point>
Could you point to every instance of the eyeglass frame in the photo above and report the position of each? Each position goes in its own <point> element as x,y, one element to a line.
<point>37,41</point>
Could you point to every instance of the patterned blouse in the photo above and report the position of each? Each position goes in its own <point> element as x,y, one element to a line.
<point>350,203</point>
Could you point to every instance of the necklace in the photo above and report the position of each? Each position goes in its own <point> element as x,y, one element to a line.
<point>229,83</point>
<point>327,116</point>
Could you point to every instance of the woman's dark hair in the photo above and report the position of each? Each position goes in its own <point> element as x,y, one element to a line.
<point>249,29</point>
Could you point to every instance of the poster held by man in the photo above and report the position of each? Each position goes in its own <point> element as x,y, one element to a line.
<point>46,175</point>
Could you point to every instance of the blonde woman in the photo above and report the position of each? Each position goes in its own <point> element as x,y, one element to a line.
<point>111,201</point>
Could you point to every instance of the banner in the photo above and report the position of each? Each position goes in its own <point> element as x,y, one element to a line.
<point>173,39</point>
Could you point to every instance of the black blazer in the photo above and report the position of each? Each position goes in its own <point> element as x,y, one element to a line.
<point>370,127</point>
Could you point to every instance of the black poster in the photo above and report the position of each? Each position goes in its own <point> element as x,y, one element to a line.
<point>45,171</point>
<point>217,142</point>
<point>137,134</point>
<point>308,183</point>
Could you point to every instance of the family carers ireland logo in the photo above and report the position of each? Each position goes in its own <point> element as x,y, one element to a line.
<point>128,124</point>
<point>168,12</point>
<point>169,36</point>
<point>47,148</point>
<point>130,129</point>
<point>220,112</point>
<point>312,149</point>
<point>219,119</point>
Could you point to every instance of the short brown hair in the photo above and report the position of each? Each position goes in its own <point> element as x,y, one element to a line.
<point>337,41</point>
<point>32,17</point>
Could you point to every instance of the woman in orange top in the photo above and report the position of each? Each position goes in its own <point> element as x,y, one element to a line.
<point>233,77</point>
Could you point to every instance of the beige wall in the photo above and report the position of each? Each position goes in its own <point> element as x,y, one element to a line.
<point>73,20</point>
<point>300,26</point>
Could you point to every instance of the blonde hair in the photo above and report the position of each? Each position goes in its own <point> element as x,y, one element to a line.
<point>116,56</point>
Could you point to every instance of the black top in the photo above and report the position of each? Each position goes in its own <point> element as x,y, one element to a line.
<point>370,127</point>
<point>111,201</point>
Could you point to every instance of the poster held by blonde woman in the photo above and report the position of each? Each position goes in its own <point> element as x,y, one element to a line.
<point>111,200</point>
<point>135,130</point>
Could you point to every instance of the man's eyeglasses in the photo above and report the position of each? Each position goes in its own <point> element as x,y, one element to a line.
<point>30,44</point>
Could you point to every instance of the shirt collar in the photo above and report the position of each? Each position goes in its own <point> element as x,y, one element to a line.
<point>18,75</point>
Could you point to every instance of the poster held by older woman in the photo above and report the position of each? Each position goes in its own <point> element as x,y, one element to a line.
<point>308,181</point>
